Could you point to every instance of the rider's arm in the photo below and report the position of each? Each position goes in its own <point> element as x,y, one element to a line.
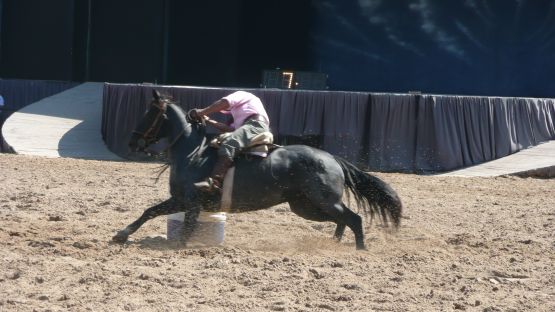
<point>217,106</point>
<point>218,125</point>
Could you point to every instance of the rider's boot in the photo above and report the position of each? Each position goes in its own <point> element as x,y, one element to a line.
<point>215,181</point>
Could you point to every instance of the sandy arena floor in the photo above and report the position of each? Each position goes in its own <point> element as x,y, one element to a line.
<point>475,244</point>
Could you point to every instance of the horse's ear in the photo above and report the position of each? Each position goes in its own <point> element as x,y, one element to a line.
<point>156,95</point>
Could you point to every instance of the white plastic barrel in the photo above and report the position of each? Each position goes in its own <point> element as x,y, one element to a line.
<point>210,230</point>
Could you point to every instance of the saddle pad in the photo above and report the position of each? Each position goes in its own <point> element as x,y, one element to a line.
<point>227,190</point>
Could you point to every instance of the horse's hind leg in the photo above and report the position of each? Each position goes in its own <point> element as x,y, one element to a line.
<point>344,216</point>
<point>339,231</point>
<point>166,207</point>
<point>338,213</point>
<point>301,206</point>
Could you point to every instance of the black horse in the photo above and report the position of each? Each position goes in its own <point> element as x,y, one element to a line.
<point>312,181</point>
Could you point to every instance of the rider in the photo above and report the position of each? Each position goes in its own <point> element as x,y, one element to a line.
<point>249,119</point>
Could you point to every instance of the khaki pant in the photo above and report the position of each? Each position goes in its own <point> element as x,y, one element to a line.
<point>241,137</point>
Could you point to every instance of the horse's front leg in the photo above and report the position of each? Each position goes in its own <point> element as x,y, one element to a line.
<point>166,207</point>
<point>189,223</point>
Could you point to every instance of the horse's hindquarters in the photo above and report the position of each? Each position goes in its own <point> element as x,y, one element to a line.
<point>254,186</point>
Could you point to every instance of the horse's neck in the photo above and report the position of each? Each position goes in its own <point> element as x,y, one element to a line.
<point>185,139</point>
<point>188,162</point>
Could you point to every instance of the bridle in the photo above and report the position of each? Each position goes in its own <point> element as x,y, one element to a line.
<point>152,132</point>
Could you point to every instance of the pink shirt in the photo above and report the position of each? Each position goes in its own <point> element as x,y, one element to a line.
<point>242,105</point>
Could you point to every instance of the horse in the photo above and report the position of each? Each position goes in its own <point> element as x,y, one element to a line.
<point>313,182</point>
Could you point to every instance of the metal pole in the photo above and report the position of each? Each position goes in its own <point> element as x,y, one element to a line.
<point>1,21</point>
<point>166,36</point>
<point>88,43</point>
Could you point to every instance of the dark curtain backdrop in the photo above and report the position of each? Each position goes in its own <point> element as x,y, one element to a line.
<point>203,42</point>
<point>126,40</point>
<point>273,34</point>
<point>377,131</point>
<point>471,47</point>
<point>36,39</point>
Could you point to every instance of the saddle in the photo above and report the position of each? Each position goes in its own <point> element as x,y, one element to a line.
<point>260,145</point>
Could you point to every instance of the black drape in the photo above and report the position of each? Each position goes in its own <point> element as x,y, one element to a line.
<point>377,131</point>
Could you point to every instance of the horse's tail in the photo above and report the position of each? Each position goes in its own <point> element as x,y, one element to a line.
<point>373,194</point>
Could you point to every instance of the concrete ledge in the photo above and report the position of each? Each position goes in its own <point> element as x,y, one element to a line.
<point>535,161</point>
<point>544,173</point>
<point>66,124</point>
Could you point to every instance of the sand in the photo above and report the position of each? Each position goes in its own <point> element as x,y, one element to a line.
<point>475,244</point>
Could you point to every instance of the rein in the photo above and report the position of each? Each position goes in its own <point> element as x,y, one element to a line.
<point>192,157</point>
<point>152,132</point>
<point>199,150</point>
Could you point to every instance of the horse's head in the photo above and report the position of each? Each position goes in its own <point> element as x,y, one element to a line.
<point>147,131</point>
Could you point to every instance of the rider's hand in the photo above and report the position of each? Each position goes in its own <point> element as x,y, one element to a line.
<point>194,114</point>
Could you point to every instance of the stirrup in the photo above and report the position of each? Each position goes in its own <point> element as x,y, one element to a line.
<point>208,185</point>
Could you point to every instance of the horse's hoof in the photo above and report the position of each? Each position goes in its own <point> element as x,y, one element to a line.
<point>362,248</point>
<point>120,238</point>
